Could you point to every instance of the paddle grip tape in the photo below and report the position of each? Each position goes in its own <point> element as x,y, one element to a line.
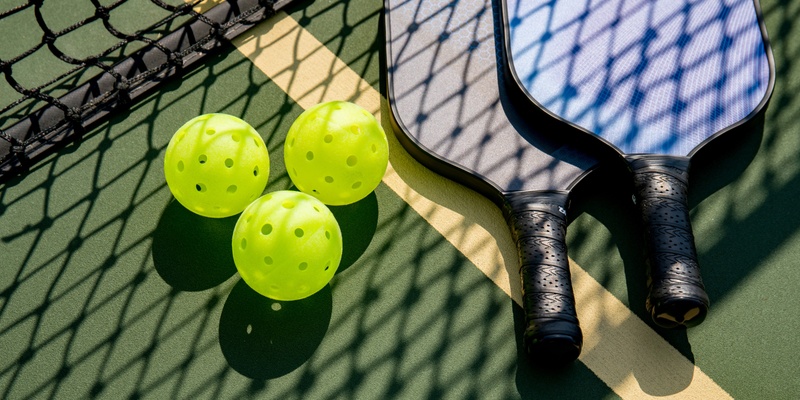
<point>676,293</point>
<point>538,224</point>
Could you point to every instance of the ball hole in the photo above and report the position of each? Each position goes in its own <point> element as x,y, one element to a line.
<point>229,162</point>
<point>244,244</point>
<point>274,287</point>
<point>291,144</point>
<point>299,232</point>
<point>249,218</point>
<point>352,161</point>
<point>266,229</point>
<point>180,166</point>
<point>374,148</point>
<point>294,172</point>
<point>232,189</point>
<point>236,138</point>
<point>329,179</point>
<point>356,185</point>
<point>328,138</point>
<point>288,204</point>
<point>255,142</point>
<point>268,260</point>
<point>211,131</point>
<point>202,159</point>
<point>327,235</point>
<point>200,187</point>
<point>317,209</point>
<point>255,171</point>
<point>327,265</point>
<point>303,266</point>
<point>310,156</point>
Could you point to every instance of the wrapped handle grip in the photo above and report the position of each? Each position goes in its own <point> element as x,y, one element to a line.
<point>676,293</point>
<point>538,224</point>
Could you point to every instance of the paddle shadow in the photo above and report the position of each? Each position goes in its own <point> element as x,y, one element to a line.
<point>537,381</point>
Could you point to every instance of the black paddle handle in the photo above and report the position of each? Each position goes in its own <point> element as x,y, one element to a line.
<point>676,293</point>
<point>538,224</point>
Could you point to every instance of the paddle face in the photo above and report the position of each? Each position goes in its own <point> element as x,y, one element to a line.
<point>648,77</point>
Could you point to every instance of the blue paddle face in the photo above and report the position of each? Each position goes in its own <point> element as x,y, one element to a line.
<point>649,77</point>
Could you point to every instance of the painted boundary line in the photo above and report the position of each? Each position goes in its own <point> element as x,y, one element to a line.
<point>624,352</point>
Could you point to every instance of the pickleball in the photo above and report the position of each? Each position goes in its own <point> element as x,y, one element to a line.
<point>287,245</point>
<point>216,164</point>
<point>337,152</point>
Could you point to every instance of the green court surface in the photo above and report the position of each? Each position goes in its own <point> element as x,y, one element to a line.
<point>111,289</point>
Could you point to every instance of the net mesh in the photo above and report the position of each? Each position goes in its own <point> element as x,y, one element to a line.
<point>61,77</point>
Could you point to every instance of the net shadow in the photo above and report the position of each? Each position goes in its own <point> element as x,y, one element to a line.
<point>83,309</point>
<point>86,310</point>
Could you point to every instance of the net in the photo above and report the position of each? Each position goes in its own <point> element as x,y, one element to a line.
<point>68,65</point>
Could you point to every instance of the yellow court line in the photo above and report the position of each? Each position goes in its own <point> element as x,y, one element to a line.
<point>624,352</point>
<point>205,5</point>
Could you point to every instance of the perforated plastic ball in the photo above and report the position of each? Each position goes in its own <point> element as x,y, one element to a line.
<point>287,245</point>
<point>216,164</point>
<point>336,152</point>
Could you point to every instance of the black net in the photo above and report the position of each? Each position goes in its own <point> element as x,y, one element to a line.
<point>62,77</point>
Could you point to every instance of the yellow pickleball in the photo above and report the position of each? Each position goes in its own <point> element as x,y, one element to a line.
<point>336,152</point>
<point>216,164</point>
<point>287,245</point>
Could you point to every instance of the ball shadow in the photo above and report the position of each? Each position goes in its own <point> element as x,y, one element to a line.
<point>191,252</point>
<point>358,222</point>
<point>263,338</point>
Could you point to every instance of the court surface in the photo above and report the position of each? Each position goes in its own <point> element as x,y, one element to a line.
<point>111,289</point>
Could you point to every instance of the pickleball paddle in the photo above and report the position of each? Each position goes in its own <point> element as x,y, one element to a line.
<point>656,80</point>
<point>452,114</point>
